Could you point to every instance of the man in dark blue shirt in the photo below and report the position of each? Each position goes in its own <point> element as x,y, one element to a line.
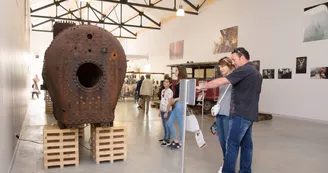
<point>246,82</point>
<point>137,93</point>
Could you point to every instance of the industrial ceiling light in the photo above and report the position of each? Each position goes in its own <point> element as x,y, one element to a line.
<point>180,11</point>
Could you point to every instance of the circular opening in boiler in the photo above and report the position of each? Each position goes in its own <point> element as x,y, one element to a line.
<point>89,75</point>
<point>89,36</point>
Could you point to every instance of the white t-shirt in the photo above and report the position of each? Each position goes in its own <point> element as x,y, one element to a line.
<point>166,95</point>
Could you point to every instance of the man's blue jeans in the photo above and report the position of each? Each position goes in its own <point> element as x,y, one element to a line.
<point>176,114</point>
<point>222,128</point>
<point>239,135</point>
<point>167,133</point>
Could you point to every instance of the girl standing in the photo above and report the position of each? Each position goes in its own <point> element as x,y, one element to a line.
<point>177,113</point>
<point>222,118</point>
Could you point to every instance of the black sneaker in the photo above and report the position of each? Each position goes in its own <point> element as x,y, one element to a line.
<point>176,146</point>
<point>171,144</point>
<point>161,140</point>
<point>165,143</point>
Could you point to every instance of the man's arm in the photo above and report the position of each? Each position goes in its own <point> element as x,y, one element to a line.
<point>214,83</point>
<point>233,78</point>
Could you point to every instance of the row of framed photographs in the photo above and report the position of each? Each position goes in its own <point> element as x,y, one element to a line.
<point>286,73</point>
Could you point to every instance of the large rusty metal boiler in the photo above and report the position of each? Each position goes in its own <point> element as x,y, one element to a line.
<point>84,70</point>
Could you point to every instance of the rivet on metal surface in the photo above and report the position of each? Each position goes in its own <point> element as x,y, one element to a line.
<point>104,50</point>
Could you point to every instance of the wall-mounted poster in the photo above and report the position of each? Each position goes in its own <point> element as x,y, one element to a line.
<point>301,64</point>
<point>284,73</point>
<point>316,22</point>
<point>176,50</point>
<point>268,73</point>
<point>319,73</point>
<point>228,40</point>
<point>257,65</point>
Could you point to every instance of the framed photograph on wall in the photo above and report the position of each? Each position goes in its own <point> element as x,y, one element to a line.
<point>176,50</point>
<point>316,22</point>
<point>227,41</point>
<point>256,64</point>
<point>319,73</point>
<point>284,73</point>
<point>268,74</point>
<point>301,63</point>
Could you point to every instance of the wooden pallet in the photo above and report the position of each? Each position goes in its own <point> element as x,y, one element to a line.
<point>48,103</point>
<point>47,96</point>
<point>49,107</point>
<point>60,147</point>
<point>109,144</point>
<point>265,116</point>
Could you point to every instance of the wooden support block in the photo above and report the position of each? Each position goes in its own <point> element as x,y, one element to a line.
<point>47,97</point>
<point>48,103</point>
<point>60,147</point>
<point>265,116</point>
<point>48,107</point>
<point>109,143</point>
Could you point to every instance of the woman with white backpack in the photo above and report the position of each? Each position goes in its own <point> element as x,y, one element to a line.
<point>222,109</point>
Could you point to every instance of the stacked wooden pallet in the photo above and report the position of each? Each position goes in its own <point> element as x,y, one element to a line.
<point>109,144</point>
<point>48,103</point>
<point>61,147</point>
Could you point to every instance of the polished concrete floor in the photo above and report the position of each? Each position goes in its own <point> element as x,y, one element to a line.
<point>281,145</point>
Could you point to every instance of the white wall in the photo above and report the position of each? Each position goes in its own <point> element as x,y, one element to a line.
<point>272,31</point>
<point>14,55</point>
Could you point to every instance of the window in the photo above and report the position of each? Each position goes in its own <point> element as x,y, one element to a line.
<point>210,73</point>
<point>199,73</point>
<point>189,72</point>
<point>173,70</point>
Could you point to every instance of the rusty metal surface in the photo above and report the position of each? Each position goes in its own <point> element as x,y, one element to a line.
<point>84,70</point>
